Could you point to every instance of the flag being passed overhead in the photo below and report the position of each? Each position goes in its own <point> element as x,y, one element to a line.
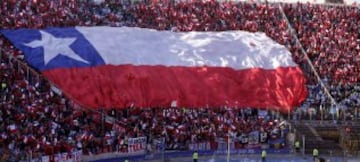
<point>115,67</point>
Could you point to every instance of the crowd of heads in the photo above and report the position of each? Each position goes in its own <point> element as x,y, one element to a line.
<point>180,126</point>
<point>35,120</point>
<point>32,117</point>
<point>330,36</point>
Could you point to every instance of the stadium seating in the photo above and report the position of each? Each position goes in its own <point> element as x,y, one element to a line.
<point>34,119</point>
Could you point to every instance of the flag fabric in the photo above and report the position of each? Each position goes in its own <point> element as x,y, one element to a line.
<point>118,67</point>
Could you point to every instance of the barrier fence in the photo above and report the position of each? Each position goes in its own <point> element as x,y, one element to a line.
<point>179,154</point>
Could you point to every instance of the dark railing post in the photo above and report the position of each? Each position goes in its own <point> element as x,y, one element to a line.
<point>18,66</point>
<point>27,74</point>
<point>303,145</point>
<point>102,121</point>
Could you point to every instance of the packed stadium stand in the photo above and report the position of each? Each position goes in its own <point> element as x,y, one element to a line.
<point>36,120</point>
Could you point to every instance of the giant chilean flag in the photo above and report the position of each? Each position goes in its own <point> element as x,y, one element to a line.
<point>118,67</point>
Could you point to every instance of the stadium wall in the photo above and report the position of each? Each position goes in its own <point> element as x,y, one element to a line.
<point>179,154</point>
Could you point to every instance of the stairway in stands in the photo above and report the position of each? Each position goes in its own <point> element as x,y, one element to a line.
<point>323,137</point>
<point>355,131</point>
<point>352,138</point>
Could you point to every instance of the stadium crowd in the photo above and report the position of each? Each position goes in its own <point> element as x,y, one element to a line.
<point>330,36</point>
<point>36,121</point>
<point>31,115</point>
<point>180,127</point>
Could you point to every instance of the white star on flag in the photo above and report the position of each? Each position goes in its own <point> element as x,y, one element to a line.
<point>55,46</point>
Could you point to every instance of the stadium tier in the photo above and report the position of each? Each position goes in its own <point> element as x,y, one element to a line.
<point>42,117</point>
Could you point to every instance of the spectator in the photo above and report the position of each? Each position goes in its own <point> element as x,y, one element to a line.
<point>36,121</point>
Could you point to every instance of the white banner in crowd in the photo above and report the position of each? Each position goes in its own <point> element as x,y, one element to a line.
<point>74,156</point>
<point>137,144</point>
<point>253,138</point>
<point>200,146</point>
<point>159,144</point>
